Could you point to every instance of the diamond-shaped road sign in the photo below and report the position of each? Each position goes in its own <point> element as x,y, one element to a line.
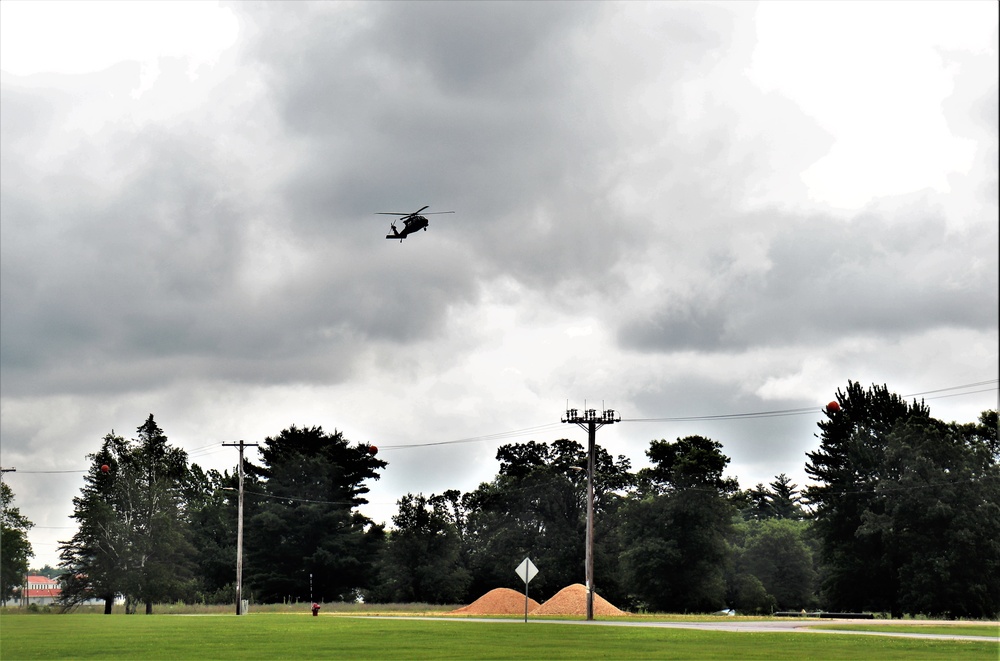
<point>526,570</point>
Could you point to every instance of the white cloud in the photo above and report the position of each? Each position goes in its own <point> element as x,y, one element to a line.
<point>874,76</point>
<point>70,37</point>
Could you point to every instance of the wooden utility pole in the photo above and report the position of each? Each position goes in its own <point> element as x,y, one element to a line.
<point>591,422</point>
<point>239,529</point>
<point>24,588</point>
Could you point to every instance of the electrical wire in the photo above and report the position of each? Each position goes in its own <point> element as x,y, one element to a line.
<point>205,450</point>
<point>527,431</point>
<point>811,409</point>
<point>477,439</point>
<point>305,500</point>
<point>967,385</point>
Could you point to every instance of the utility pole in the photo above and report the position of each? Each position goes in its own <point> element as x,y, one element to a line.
<point>6,470</point>
<point>591,422</point>
<point>24,588</point>
<point>239,529</point>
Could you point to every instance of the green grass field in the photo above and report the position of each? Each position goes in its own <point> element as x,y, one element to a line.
<point>300,636</point>
<point>957,629</point>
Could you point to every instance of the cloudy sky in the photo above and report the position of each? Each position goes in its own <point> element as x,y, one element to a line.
<point>681,211</point>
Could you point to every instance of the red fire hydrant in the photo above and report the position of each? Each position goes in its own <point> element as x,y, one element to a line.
<point>315,609</point>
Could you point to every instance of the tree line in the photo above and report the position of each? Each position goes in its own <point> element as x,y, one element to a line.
<point>903,517</point>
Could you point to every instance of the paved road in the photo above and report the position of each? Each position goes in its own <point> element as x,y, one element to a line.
<point>746,626</point>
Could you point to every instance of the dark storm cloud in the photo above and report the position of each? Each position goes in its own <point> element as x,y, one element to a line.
<point>828,279</point>
<point>122,267</point>
<point>147,253</point>
<point>507,113</point>
<point>132,251</point>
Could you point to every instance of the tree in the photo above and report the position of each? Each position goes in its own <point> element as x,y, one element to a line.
<point>780,501</point>
<point>211,510</point>
<point>755,504</point>
<point>678,528</point>
<point>776,554</point>
<point>48,571</point>
<point>694,462</point>
<point>161,545</point>
<point>132,538</point>
<point>861,571</point>
<point>306,522</point>
<point>536,507</point>
<point>95,559</point>
<point>15,549</point>
<point>785,501</point>
<point>941,514</point>
<point>422,561</point>
<point>533,508</point>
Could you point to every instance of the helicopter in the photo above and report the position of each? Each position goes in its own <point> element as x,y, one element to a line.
<point>411,222</point>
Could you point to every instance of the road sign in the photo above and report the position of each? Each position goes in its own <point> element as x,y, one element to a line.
<point>526,570</point>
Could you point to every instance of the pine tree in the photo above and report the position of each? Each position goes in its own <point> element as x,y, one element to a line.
<point>306,522</point>
<point>861,570</point>
<point>94,560</point>
<point>132,538</point>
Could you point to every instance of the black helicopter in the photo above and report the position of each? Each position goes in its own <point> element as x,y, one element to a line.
<point>411,222</point>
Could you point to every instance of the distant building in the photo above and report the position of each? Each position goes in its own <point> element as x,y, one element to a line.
<point>40,590</point>
<point>45,591</point>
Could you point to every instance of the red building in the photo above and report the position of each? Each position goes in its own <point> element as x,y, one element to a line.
<point>39,590</point>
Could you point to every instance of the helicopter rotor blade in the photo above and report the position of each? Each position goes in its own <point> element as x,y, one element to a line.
<point>421,209</point>
<point>431,213</point>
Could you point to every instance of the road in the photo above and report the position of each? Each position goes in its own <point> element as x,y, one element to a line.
<point>744,626</point>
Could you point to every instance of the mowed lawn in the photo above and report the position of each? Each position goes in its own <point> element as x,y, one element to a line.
<point>956,629</point>
<point>300,636</point>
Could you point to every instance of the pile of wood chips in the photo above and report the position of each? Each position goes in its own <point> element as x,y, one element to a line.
<point>571,600</point>
<point>501,601</point>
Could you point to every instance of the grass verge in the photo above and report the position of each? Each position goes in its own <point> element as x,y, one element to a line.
<point>956,629</point>
<point>300,636</point>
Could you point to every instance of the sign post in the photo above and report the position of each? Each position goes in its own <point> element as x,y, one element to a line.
<point>527,571</point>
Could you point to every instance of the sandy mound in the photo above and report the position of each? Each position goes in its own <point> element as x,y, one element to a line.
<point>572,600</point>
<point>501,601</point>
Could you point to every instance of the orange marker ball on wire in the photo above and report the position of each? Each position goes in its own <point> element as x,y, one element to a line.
<point>833,407</point>
<point>105,468</point>
<point>372,450</point>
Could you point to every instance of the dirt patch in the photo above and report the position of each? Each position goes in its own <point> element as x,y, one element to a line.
<point>501,601</point>
<point>572,600</point>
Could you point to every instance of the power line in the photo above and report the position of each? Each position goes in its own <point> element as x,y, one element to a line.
<point>967,385</point>
<point>811,409</point>
<point>959,394</point>
<point>297,500</point>
<point>204,451</point>
<point>728,416</point>
<point>477,439</point>
<point>778,413</point>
